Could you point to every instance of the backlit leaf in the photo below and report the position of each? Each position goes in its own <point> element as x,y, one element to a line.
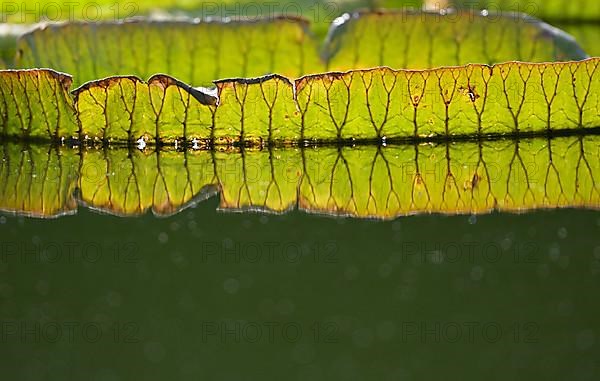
<point>473,100</point>
<point>36,104</point>
<point>194,51</point>
<point>198,52</point>
<point>419,40</point>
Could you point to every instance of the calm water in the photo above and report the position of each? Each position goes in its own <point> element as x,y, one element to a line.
<point>224,295</point>
<point>205,294</point>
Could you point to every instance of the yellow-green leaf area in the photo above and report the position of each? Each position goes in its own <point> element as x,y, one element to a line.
<point>507,98</point>
<point>259,109</point>
<point>128,109</point>
<point>420,40</point>
<point>36,104</point>
<point>196,52</point>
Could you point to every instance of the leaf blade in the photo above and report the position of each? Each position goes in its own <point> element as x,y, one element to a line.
<point>509,99</point>
<point>422,40</point>
<point>142,48</point>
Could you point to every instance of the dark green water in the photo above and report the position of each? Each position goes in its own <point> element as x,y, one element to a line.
<point>222,296</point>
<point>230,296</point>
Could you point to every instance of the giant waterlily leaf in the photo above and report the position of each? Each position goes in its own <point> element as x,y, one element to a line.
<point>547,9</point>
<point>507,98</point>
<point>194,51</point>
<point>365,181</point>
<point>418,40</point>
<point>36,104</point>
<point>474,100</point>
<point>502,99</point>
<point>126,108</point>
<point>256,109</point>
<point>33,11</point>
<point>17,17</point>
<point>198,52</point>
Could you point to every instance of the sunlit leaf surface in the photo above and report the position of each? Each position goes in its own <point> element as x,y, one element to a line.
<point>365,181</point>
<point>376,104</point>
<point>194,51</point>
<point>506,98</point>
<point>126,108</point>
<point>418,40</point>
<point>198,52</point>
<point>36,104</point>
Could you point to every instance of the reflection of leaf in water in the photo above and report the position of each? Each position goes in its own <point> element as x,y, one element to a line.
<point>364,181</point>
<point>474,100</point>
<point>37,180</point>
<point>131,182</point>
